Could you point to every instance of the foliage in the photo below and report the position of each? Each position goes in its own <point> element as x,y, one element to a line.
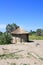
<point>42,32</point>
<point>38,32</point>
<point>35,37</point>
<point>32,32</point>
<point>13,63</point>
<point>0,33</point>
<point>11,27</point>
<point>10,56</point>
<point>5,38</point>
<point>24,64</point>
<point>41,58</point>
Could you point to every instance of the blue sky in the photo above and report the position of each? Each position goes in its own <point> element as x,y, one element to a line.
<point>26,13</point>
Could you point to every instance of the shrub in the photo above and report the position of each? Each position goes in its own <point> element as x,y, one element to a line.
<point>5,38</point>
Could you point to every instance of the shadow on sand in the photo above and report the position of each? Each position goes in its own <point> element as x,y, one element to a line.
<point>30,41</point>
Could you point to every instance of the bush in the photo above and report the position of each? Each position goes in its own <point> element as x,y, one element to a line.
<point>5,38</point>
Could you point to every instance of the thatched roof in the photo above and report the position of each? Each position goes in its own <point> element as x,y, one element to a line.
<point>19,31</point>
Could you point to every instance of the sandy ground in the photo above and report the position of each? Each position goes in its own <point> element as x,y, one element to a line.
<point>30,53</point>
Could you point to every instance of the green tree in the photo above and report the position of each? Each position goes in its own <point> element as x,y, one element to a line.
<point>38,32</point>
<point>8,28</point>
<point>11,27</point>
<point>0,33</point>
<point>42,32</point>
<point>32,32</point>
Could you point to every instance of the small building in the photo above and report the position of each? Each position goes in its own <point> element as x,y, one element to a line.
<point>20,35</point>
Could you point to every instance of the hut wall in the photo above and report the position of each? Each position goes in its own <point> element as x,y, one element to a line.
<point>16,38</point>
<point>20,38</point>
<point>13,41</point>
<point>24,37</point>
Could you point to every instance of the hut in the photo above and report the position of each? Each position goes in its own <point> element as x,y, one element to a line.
<point>20,35</point>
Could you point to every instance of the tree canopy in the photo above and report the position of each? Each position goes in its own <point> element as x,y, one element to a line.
<point>11,27</point>
<point>39,32</point>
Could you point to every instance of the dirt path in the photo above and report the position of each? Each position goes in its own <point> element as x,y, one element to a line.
<point>26,53</point>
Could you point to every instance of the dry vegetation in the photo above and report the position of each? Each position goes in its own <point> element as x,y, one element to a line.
<point>30,53</point>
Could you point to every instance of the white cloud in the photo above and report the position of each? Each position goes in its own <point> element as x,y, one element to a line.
<point>2,26</point>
